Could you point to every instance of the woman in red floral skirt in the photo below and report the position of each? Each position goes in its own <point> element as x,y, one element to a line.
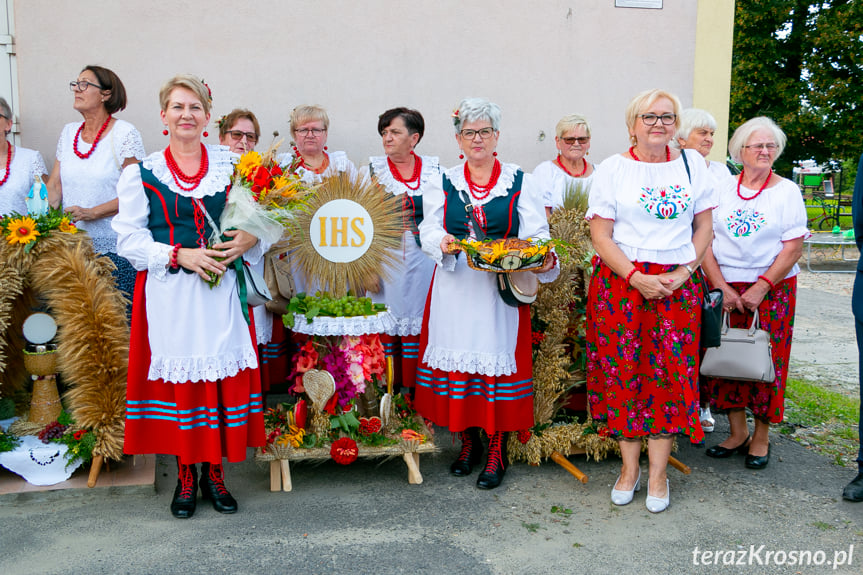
<point>650,222</point>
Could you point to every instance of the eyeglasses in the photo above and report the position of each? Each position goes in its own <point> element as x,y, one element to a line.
<point>582,140</point>
<point>237,135</point>
<point>770,147</point>
<point>484,133</point>
<point>311,131</point>
<point>650,119</point>
<point>82,85</point>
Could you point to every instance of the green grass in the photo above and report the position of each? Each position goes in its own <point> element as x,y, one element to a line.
<point>823,419</point>
<point>813,219</point>
<point>823,526</point>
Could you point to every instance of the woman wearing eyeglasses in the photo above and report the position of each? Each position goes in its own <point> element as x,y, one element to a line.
<point>406,175</point>
<point>239,130</point>
<point>475,367</point>
<point>309,129</point>
<point>570,168</point>
<point>650,223</point>
<point>22,166</point>
<point>90,157</point>
<point>760,226</point>
<point>194,390</point>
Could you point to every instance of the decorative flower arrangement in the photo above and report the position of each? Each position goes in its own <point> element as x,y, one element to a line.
<point>352,361</point>
<point>80,442</point>
<point>27,230</point>
<point>344,451</point>
<point>507,254</point>
<point>323,305</point>
<point>456,120</point>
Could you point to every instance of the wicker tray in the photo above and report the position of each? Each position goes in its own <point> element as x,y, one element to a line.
<point>511,261</point>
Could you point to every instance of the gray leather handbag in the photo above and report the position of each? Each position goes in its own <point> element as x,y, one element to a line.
<point>744,354</point>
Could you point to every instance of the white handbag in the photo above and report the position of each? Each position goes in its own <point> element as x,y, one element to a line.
<point>257,292</point>
<point>744,354</point>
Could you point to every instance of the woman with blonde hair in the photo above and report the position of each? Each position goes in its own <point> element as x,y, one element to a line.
<point>194,390</point>
<point>650,222</point>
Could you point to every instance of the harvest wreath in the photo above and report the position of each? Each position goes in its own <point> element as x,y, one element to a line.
<point>59,266</point>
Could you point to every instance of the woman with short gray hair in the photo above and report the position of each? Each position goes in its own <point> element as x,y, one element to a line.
<point>571,167</point>
<point>696,131</point>
<point>22,167</point>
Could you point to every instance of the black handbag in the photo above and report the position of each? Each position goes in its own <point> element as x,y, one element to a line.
<point>711,315</point>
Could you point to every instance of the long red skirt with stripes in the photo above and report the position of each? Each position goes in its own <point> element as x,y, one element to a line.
<point>404,350</point>
<point>642,356</point>
<point>776,316</point>
<point>197,420</point>
<point>458,400</point>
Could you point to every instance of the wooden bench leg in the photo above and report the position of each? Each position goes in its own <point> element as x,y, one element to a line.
<point>285,467</point>
<point>561,460</point>
<point>275,476</point>
<point>413,462</point>
<point>95,468</point>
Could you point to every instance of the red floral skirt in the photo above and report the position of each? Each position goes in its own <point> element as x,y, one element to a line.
<point>458,400</point>
<point>776,315</point>
<point>196,420</point>
<point>642,356</point>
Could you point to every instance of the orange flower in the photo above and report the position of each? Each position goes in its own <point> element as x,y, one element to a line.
<point>22,230</point>
<point>68,227</point>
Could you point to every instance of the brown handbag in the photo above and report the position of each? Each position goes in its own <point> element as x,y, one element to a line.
<point>280,281</point>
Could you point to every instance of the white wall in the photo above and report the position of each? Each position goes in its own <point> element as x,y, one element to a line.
<point>537,60</point>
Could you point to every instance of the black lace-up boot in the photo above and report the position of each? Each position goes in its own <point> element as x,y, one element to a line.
<point>471,452</point>
<point>213,488</point>
<point>186,492</point>
<point>492,475</point>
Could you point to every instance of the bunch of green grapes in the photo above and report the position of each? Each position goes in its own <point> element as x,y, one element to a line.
<point>346,306</point>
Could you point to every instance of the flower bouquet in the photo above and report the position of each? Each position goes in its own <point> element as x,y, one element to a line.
<point>27,230</point>
<point>80,442</point>
<point>264,195</point>
<point>506,254</point>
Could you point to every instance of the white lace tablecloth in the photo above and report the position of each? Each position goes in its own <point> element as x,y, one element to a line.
<point>360,325</point>
<point>38,463</point>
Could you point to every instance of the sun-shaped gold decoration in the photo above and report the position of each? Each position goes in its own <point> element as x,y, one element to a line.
<point>386,214</point>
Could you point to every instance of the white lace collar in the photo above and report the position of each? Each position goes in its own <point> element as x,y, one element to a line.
<point>218,176</point>
<point>504,183</point>
<point>382,173</point>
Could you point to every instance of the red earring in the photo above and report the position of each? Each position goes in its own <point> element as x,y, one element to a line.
<point>165,131</point>
<point>494,154</point>
<point>206,133</point>
<point>461,156</point>
<point>326,148</point>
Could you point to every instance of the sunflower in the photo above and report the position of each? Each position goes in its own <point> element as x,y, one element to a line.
<point>248,163</point>
<point>22,230</point>
<point>67,227</point>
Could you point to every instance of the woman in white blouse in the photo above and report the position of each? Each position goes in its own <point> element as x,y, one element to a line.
<point>570,168</point>
<point>194,390</point>
<point>90,157</point>
<point>309,128</point>
<point>760,226</point>
<point>475,367</point>
<point>650,222</point>
<point>20,168</point>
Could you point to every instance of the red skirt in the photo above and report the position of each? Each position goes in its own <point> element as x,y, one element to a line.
<point>458,400</point>
<point>405,353</point>
<point>273,356</point>
<point>776,315</point>
<point>196,420</point>
<point>642,356</point>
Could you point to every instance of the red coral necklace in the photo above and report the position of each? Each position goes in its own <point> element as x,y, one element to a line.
<point>178,174</point>
<point>482,192</point>
<point>578,175</point>
<point>637,159</point>
<point>8,163</point>
<point>761,189</point>
<point>95,142</point>
<point>415,177</point>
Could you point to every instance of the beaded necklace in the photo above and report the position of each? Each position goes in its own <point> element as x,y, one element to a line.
<point>95,142</point>
<point>570,174</point>
<point>415,177</point>
<point>761,189</point>
<point>178,174</point>
<point>8,163</point>
<point>637,159</point>
<point>482,192</point>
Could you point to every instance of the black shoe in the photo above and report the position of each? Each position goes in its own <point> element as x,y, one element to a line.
<point>213,488</point>
<point>492,475</point>
<point>470,454</point>
<point>854,490</point>
<point>758,461</point>
<point>719,452</point>
<point>186,492</point>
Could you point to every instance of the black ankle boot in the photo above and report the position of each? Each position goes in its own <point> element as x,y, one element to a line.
<point>213,488</point>
<point>492,475</point>
<point>186,492</point>
<point>470,454</point>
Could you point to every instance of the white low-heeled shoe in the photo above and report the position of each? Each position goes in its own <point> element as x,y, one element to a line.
<point>657,504</point>
<point>707,421</point>
<point>619,497</point>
